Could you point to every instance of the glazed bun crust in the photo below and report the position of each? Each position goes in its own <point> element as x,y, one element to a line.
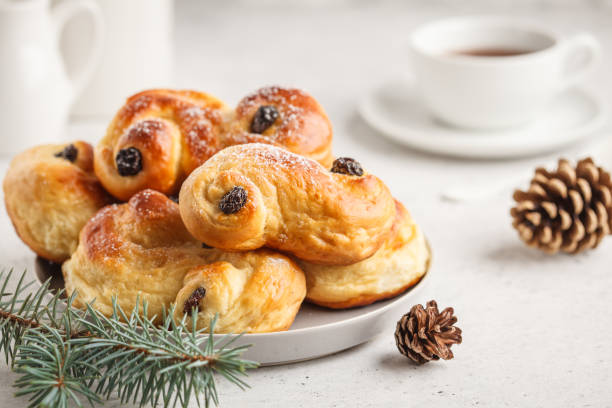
<point>398,265</point>
<point>160,136</point>
<point>292,204</point>
<point>49,197</point>
<point>252,292</point>
<point>302,125</point>
<point>141,251</point>
<point>174,132</point>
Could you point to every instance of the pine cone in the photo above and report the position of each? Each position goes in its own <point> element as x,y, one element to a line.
<point>568,210</point>
<point>426,334</point>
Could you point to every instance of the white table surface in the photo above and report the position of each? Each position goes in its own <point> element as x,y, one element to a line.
<point>537,328</point>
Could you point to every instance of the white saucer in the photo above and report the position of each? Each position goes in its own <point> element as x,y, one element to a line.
<point>316,331</point>
<point>395,110</point>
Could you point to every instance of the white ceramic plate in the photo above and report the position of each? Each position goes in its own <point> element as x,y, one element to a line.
<point>316,331</point>
<point>395,110</point>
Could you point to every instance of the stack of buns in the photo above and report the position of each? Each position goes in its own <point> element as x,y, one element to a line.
<point>237,213</point>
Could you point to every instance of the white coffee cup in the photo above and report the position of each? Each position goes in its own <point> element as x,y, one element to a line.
<point>485,91</point>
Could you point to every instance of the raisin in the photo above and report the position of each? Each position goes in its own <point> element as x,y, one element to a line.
<point>205,246</point>
<point>193,300</point>
<point>264,118</point>
<point>69,153</point>
<point>233,200</point>
<point>129,161</point>
<point>346,165</point>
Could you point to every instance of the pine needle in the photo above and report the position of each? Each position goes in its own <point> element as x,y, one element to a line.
<point>66,355</point>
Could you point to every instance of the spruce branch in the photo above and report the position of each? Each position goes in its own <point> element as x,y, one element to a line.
<point>22,310</point>
<point>67,354</point>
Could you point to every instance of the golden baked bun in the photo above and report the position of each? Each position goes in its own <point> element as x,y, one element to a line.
<point>252,292</point>
<point>285,117</point>
<point>140,250</point>
<point>252,195</point>
<point>398,265</point>
<point>156,139</point>
<point>159,136</point>
<point>50,192</point>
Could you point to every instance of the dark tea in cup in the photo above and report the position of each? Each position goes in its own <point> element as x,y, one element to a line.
<point>491,52</point>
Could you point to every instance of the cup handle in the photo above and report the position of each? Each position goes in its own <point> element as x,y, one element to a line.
<point>582,53</point>
<point>64,12</point>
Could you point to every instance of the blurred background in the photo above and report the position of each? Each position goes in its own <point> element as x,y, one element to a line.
<point>336,49</point>
<point>339,50</point>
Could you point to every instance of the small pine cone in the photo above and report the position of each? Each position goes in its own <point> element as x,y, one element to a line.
<point>568,210</point>
<point>426,334</point>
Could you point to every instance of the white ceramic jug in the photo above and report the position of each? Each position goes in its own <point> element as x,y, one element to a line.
<point>137,54</point>
<point>35,92</point>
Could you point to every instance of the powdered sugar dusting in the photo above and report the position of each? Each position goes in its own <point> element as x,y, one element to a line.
<point>193,112</point>
<point>138,104</point>
<point>99,242</point>
<point>286,100</point>
<point>198,123</point>
<point>273,91</point>
<point>263,156</point>
<point>146,127</point>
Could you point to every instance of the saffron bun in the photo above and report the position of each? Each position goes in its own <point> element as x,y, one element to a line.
<point>156,139</point>
<point>255,195</point>
<point>159,136</point>
<point>398,265</point>
<point>296,122</point>
<point>50,192</point>
<point>141,251</point>
<point>252,292</point>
